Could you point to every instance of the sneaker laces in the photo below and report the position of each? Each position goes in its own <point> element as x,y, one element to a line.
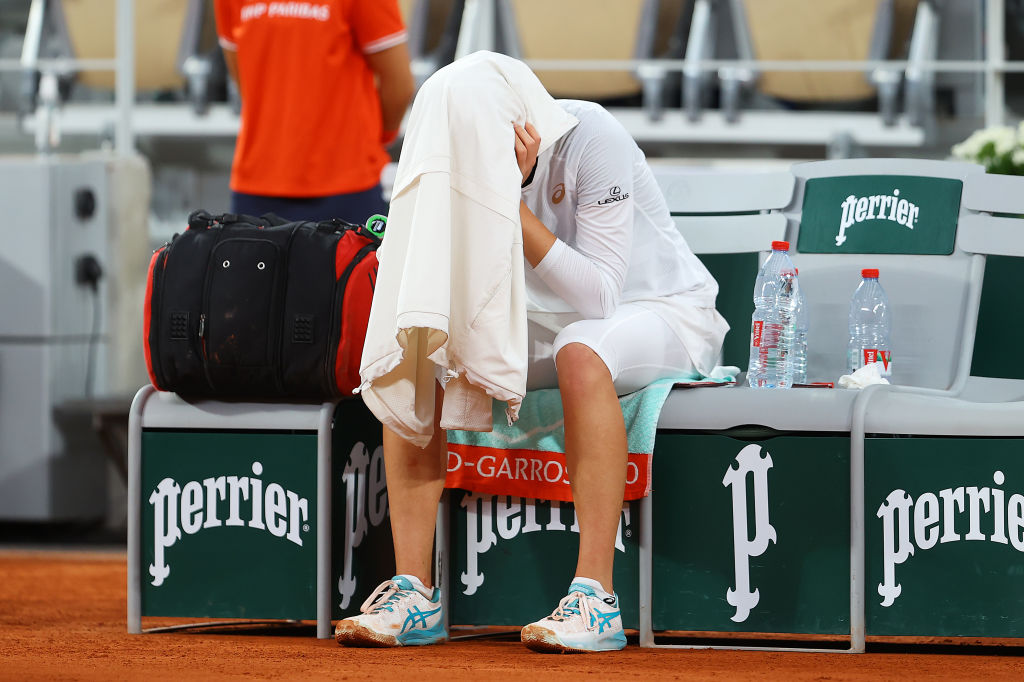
<point>382,598</point>
<point>575,604</point>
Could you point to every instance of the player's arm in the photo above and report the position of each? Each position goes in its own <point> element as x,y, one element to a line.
<point>589,276</point>
<point>537,238</point>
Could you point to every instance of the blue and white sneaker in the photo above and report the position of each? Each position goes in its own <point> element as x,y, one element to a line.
<point>396,614</point>
<point>582,623</point>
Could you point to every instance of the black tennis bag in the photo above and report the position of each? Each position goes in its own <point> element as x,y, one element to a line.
<point>258,308</point>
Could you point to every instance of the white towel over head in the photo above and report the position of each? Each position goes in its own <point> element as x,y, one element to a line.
<point>450,299</point>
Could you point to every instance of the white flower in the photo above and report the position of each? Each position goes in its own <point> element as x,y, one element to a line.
<point>1003,139</point>
<point>969,148</point>
<point>1018,157</point>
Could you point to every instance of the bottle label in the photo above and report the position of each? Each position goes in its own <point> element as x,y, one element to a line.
<point>882,356</point>
<point>755,333</point>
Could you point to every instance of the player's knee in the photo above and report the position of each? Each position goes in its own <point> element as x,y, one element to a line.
<point>580,368</point>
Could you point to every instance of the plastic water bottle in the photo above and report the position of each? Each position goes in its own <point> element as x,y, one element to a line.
<point>870,326</point>
<point>771,326</point>
<point>800,324</point>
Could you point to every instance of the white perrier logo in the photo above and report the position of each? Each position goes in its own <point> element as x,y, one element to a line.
<point>878,207</point>
<point>749,464</point>
<point>201,504</point>
<point>490,517</point>
<point>939,518</point>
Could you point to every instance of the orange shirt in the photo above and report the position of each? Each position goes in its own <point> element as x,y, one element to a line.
<point>311,119</point>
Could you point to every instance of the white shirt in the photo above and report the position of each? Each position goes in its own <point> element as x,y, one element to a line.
<point>616,241</point>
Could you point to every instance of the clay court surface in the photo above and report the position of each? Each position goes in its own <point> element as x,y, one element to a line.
<point>62,616</point>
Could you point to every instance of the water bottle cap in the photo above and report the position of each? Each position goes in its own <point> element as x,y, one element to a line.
<point>870,273</point>
<point>780,246</point>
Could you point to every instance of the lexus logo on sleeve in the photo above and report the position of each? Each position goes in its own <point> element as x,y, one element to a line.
<point>614,194</point>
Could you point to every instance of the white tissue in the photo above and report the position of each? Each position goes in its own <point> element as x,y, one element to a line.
<point>865,376</point>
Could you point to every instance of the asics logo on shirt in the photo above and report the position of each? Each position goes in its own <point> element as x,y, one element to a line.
<point>559,193</point>
<point>614,194</point>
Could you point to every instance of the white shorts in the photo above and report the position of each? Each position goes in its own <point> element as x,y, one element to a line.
<point>636,345</point>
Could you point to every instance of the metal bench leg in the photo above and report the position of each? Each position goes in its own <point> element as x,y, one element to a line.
<point>646,570</point>
<point>135,509</point>
<point>323,511</point>
<point>442,553</point>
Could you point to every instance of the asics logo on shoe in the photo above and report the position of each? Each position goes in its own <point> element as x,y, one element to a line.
<point>602,619</point>
<point>610,601</point>
<point>417,618</point>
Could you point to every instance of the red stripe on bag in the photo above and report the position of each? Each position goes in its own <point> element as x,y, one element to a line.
<point>355,308</point>
<point>147,317</point>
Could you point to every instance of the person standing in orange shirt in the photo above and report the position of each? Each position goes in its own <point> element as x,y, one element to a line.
<point>324,87</point>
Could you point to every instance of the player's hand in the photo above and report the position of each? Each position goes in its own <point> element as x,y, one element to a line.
<point>527,145</point>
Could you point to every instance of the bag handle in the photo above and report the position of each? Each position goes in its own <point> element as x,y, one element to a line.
<point>204,220</point>
<point>271,219</point>
<point>372,230</point>
<point>201,220</point>
<point>335,225</point>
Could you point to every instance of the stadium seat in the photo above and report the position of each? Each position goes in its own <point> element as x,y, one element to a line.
<point>728,218</point>
<point>712,210</point>
<point>866,27</point>
<point>873,30</point>
<point>170,36</point>
<point>589,29</point>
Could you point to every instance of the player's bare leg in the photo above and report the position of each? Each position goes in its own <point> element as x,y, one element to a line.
<point>406,610</point>
<point>596,455</point>
<point>415,482</point>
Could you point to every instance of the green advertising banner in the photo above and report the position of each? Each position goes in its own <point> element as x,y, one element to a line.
<point>361,551</point>
<point>945,536</point>
<point>751,535</point>
<point>229,524</point>
<point>512,559</point>
<point>880,214</point>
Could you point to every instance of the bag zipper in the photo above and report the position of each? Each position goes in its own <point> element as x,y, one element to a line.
<point>282,304</point>
<point>206,306</point>
<point>203,317</point>
<point>202,347</point>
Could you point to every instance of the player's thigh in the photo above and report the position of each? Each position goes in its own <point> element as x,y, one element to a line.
<point>636,345</point>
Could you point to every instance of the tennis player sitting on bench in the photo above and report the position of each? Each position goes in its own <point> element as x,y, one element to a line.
<point>617,300</point>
